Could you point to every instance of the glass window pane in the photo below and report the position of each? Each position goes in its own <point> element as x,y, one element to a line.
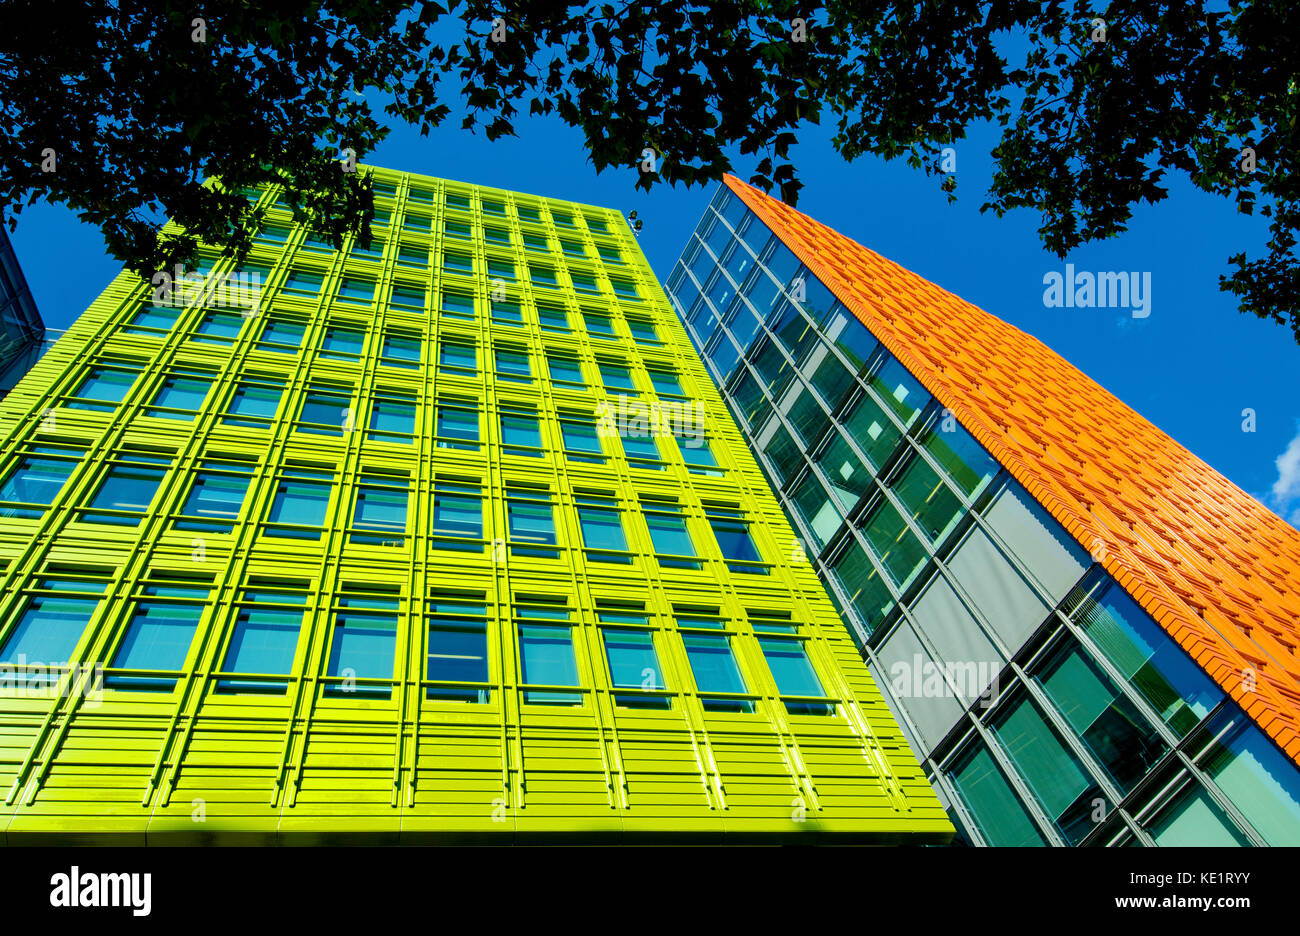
<point>601,529</point>
<point>901,553</point>
<point>49,630</point>
<point>158,638</point>
<point>928,500</point>
<point>35,480</point>
<point>1259,779</point>
<point>264,642</point>
<point>714,667</point>
<point>867,591</point>
<point>998,813</point>
<point>546,659</point>
<point>363,647</point>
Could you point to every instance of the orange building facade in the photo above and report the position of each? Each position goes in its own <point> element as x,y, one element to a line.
<point>1088,633</point>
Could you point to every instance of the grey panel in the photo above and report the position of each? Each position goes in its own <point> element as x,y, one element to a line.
<point>1034,536</point>
<point>971,660</point>
<point>1004,599</point>
<point>915,681</point>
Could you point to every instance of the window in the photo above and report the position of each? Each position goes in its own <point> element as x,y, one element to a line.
<point>794,675</point>
<point>342,344</point>
<point>602,530</point>
<point>496,235</point>
<point>1051,770</point>
<point>581,439</point>
<point>512,364</point>
<point>216,497</point>
<point>457,649</point>
<point>562,218</point>
<point>665,383</point>
<point>546,659</point>
<point>572,248</point>
<point>1258,778</point>
<point>455,200</point>
<point>127,490</point>
<point>507,313</point>
<point>634,664</point>
<point>531,523</point>
<point>989,798</point>
<point>866,590</point>
<point>609,254</point>
<point>624,289</point>
<point>362,648</point>
<point>672,541</point>
<point>36,480</point>
<point>521,434</point>
<point>616,377</point>
<point>552,318</point>
<point>401,349</point>
<point>455,305</point>
<point>392,418</point>
<point>583,282</point>
<point>964,460</point>
<point>900,391</point>
<point>152,319</point>
<point>455,357</point>
<point>414,254</point>
<point>500,269</point>
<point>535,242</point>
<point>1107,723</point>
<point>900,552</point>
<point>598,325</point>
<point>493,207</point>
<point>930,501</point>
<point>264,641</point>
<point>1173,685</point>
<point>157,641</point>
<point>732,534</point>
<point>714,666</point>
<point>457,426</point>
<point>218,328</point>
<point>407,299</point>
<point>325,413</point>
<point>456,228</point>
<point>298,507</point>
<point>102,389</point>
<point>302,285</point>
<point>281,335</point>
<point>566,370</point>
<point>379,514</point>
<point>50,627</point>
<point>253,405</point>
<point>644,332</point>
<point>357,291</point>
<point>698,457</point>
<point>542,275</point>
<point>456,262</point>
<point>642,451</point>
<point>417,223</point>
<point>873,431</point>
<point>528,213</point>
<point>458,517</point>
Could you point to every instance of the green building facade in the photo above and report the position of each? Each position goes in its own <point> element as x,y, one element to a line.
<point>451,538</point>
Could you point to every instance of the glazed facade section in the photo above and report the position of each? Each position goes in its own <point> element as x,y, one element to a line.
<point>21,328</point>
<point>448,537</point>
<point>1047,706</point>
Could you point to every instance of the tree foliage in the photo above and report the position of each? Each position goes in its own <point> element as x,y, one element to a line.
<point>1096,104</point>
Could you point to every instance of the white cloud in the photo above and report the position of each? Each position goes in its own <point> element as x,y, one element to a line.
<point>1286,489</point>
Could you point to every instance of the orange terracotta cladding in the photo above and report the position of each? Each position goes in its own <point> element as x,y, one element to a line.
<point>1215,568</point>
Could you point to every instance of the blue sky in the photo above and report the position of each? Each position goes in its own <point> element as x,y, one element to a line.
<point>1192,366</point>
